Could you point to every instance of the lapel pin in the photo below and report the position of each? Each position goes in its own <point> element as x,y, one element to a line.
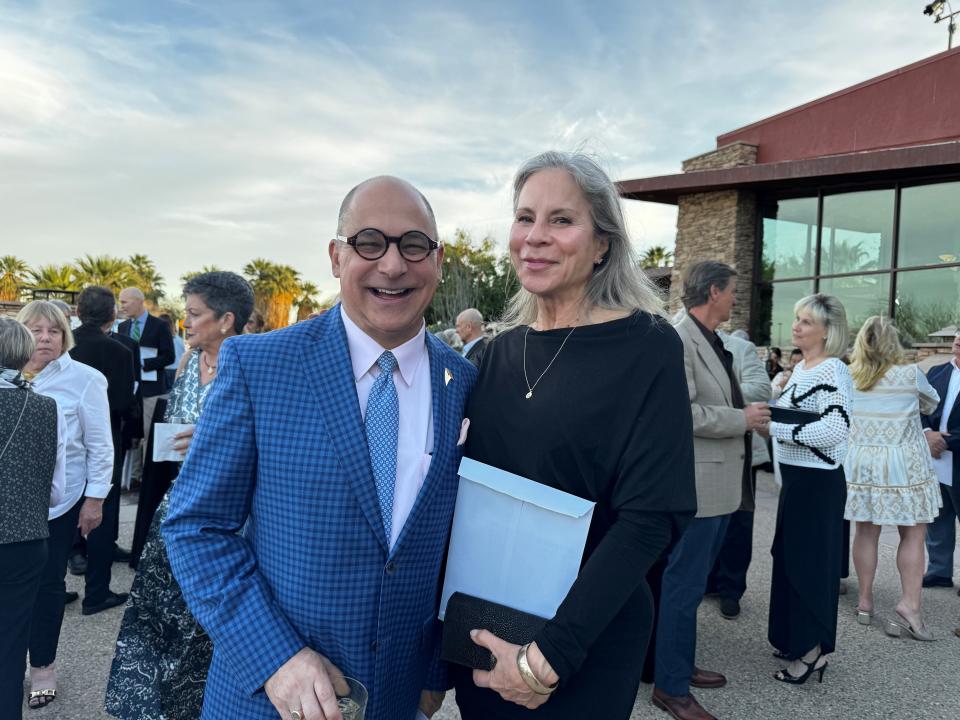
<point>447,376</point>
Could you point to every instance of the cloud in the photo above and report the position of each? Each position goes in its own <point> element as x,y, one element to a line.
<point>212,133</point>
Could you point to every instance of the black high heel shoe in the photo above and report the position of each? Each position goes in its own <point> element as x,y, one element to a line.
<point>785,676</point>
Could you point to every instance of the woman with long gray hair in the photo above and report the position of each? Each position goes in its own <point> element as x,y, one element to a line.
<point>584,391</point>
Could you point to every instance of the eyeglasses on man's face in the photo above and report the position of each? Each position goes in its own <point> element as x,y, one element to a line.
<point>371,244</point>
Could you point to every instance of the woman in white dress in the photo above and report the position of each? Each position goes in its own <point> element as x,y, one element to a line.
<point>890,478</point>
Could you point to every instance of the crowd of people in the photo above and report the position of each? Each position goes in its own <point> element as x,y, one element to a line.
<point>301,540</point>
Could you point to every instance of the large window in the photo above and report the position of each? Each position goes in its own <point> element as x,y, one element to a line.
<point>850,244</point>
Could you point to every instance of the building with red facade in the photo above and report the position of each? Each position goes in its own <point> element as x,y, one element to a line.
<point>856,194</point>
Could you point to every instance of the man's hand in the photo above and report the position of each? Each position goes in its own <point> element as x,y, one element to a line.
<point>936,442</point>
<point>505,677</point>
<point>757,415</point>
<point>91,515</point>
<point>430,702</point>
<point>305,683</point>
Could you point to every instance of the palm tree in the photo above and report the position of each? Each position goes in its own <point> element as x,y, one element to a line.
<point>274,288</point>
<point>13,275</point>
<point>307,301</point>
<point>112,272</point>
<point>147,278</point>
<point>55,277</point>
<point>656,256</point>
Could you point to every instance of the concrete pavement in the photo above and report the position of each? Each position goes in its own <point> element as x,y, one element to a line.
<point>870,675</point>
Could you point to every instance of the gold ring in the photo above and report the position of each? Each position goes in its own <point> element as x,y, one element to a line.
<point>296,715</point>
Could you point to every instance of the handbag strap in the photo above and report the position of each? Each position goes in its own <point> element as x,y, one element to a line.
<point>26,399</point>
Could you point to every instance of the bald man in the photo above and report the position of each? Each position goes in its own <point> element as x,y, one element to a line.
<point>155,342</point>
<point>470,329</point>
<point>332,446</point>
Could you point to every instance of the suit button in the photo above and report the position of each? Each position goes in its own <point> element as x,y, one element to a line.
<point>391,567</point>
<point>373,646</point>
<point>741,456</point>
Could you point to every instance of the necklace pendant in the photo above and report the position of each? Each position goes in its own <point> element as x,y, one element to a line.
<point>529,394</point>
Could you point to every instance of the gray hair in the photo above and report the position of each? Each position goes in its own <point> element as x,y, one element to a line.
<point>46,310</point>
<point>829,312</point>
<point>617,283</point>
<point>16,344</point>
<point>472,316</point>
<point>701,277</point>
<point>223,292</point>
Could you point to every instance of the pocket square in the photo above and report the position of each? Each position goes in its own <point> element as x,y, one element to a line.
<point>464,426</point>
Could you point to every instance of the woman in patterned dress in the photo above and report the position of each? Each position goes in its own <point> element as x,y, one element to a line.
<point>160,664</point>
<point>890,477</point>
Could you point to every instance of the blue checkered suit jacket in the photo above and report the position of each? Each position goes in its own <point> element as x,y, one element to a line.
<point>274,531</point>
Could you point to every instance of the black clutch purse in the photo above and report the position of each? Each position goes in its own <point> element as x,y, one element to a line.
<point>792,416</point>
<point>466,613</point>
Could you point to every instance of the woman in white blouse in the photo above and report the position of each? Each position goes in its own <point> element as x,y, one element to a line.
<point>81,394</point>
<point>808,542</point>
<point>890,477</point>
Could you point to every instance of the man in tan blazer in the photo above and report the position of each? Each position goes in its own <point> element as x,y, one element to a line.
<point>722,425</point>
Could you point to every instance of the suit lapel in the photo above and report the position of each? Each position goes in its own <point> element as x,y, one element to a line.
<point>709,357</point>
<point>443,440</point>
<point>940,381</point>
<point>326,363</point>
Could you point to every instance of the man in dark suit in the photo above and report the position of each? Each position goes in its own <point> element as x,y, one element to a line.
<point>156,352</point>
<point>942,431</point>
<point>97,310</point>
<point>470,330</point>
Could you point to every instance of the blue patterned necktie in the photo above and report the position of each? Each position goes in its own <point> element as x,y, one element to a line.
<point>382,423</point>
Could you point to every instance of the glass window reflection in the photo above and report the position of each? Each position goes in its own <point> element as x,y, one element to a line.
<point>929,225</point>
<point>857,232</point>
<point>789,238</point>
<point>927,301</point>
<point>861,295</point>
<point>782,300</point>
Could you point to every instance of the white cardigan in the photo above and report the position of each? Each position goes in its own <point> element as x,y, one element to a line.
<point>826,389</point>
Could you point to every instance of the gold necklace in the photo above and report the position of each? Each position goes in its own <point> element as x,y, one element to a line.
<point>527,379</point>
<point>210,368</point>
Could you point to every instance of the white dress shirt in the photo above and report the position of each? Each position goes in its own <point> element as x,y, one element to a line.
<point>81,394</point>
<point>943,465</point>
<point>412,380</point>
<point>58,488</point>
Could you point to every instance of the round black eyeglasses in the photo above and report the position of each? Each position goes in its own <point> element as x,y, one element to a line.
<point>371,244</point>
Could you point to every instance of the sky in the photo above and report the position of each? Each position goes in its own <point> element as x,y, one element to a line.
<point>211,132</point>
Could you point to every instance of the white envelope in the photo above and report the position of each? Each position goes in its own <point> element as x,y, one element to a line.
<point>163,437</point>
<point>147,353</point>
<point>515,542</point>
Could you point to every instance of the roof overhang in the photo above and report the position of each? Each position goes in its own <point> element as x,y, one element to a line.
<point>853,168</point>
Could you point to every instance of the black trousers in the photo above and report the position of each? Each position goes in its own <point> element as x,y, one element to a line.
<point>21,565</point>
<point>48,608</point>
<point>729,575</point>
<point>100,545</point>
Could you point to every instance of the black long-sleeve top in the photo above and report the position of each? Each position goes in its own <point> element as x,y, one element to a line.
<point>609,421</point>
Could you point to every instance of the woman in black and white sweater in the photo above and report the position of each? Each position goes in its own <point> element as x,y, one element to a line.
<point>807,545</point>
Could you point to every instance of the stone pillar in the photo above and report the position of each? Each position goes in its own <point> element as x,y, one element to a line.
<point>720,226</point>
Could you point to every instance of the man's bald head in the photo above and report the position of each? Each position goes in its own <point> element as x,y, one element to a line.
<point>470,325</point>
<point>131,302</point>
<point>371,183</point>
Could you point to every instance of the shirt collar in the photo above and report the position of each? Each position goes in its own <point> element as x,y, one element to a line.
<point>55,366</point>
<point>466,348</point>
<point>953,361</point>
<point>710,335</point>
<point>143,319</point>
<point>364,351</point>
